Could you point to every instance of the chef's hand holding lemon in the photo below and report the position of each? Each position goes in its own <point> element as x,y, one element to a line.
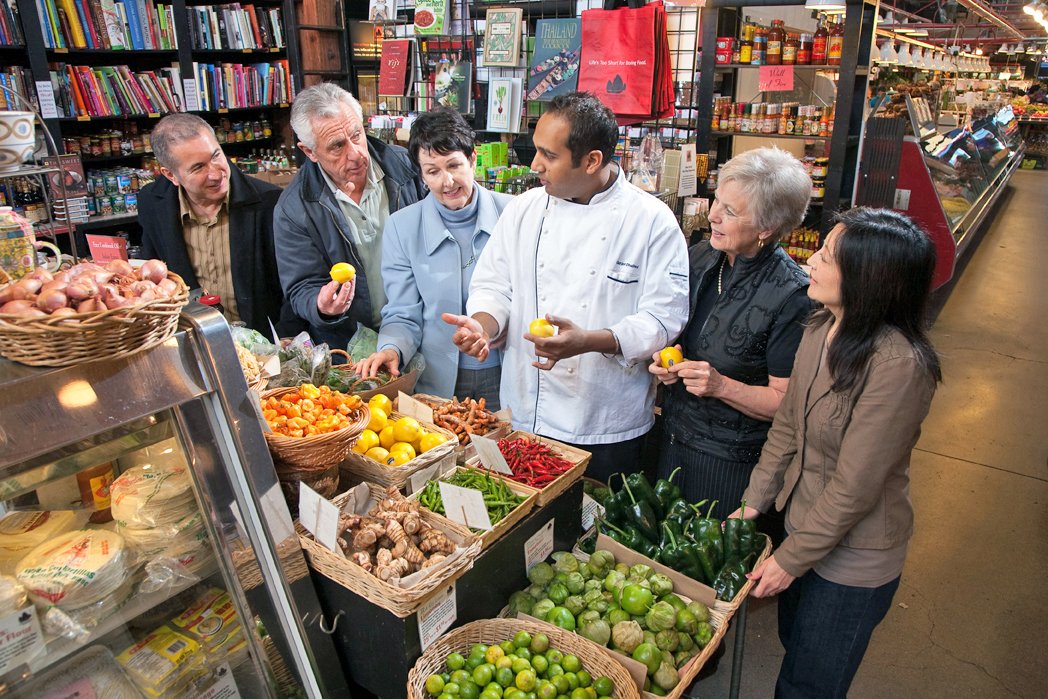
<point>336,296</point>
<point>567,341</point>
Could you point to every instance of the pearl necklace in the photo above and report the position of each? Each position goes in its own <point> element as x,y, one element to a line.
<point>720,276</point>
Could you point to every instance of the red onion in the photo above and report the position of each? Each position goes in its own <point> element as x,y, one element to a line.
<point>153,270</point>
<point>19,307</point>
<point>51,300</point>
<point>120,267</point>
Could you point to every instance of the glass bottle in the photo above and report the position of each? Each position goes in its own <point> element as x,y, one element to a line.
<point>745,51</point>
<point>835,44</point>
<point>819,40</point>
<point>776,38</point>
<point>760,44</point>
<point>789,50</point>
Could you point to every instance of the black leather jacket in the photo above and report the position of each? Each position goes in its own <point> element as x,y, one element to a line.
<point>734,340</point>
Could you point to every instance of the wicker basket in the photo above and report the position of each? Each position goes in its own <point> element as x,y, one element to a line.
<point>729,608</point>
<point>509,521</point>
<point>399,601</point>
<point>493,631</point>
<point>259,385</point>
<point>578,457</point>
<point>372,471</point>
<point>318,450</point>
<point>87,337</point>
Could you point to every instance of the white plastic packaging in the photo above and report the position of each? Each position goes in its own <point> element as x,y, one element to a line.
<point>74,570</point>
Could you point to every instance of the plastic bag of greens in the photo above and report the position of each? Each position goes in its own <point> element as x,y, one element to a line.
<point>296,362</point>
<point>254,342</point>
<point>363,344</point>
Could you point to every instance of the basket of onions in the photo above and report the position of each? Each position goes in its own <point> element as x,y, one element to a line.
<point>89,312</point>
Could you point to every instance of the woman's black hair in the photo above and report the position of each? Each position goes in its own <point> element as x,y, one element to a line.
<point>441,130</point>
<point>886,265</point>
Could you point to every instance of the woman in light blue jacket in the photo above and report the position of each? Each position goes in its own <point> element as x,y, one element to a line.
<point>429,252</point>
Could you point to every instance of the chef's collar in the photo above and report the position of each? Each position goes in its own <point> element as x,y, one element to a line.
<point>604,193</point>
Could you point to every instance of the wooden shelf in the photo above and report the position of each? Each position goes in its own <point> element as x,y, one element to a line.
<point>321,28</point>
<point>114,52</point>
<point>240,51</point>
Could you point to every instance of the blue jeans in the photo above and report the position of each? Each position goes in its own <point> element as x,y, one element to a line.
<point>480,383</point>
<point>825,629</point>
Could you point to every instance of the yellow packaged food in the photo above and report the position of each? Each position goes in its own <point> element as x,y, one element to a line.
<point>162,661</point>
<point>211,620</point>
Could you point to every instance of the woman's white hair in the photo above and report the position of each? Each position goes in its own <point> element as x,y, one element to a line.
<point>776,186</point>
<point>321,101</point>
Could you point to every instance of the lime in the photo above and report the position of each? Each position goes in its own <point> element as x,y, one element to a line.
<point>504,676</point>
<point>522,639</point>
<point>591,692</point>
<point>455,661</point>
<point>511,693</point>
<point>444,695</point>
<point>473,662</point>
<point>573,680</point>
<point>469,690</point>
<point>478,649</point>
<point>526,680</point>
<point>507,647</point>
<point>434,685</point>
<point>546,691</point>
<point>493,654</point>
<point>540,664</point>
<point>579,693</point>
<point>571,663</point>
<point>452,689</point>
<point>539,643</point>
<point>486,694</point>
<point>505,661</point>
<point>520,665</point>
<point>555,656</point>
<point>561,683</point>
<point>604,686</point>
<point>554,670</point>
<point>585,679</point>
<point>483,674</point>
<point>523,653</point>
<point>446,677</point>
<point>460,676</point>
<point>494,687</point>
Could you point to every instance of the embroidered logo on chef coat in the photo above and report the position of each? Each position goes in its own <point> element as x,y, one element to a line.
<point>624,272</point>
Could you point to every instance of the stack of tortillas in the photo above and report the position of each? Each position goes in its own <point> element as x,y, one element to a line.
<point>74,570</point>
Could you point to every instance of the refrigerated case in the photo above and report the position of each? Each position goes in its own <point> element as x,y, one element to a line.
<point>200,548</point>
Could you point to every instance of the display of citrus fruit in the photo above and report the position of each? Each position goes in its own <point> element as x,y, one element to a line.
<point>378,422</point>
<point>377,454</point>
<point>431,440</point>
<point>407,429</point>
<point>365,441</point>
<point>399,458</point>
<point>403,446</point>
<point>381,402</point>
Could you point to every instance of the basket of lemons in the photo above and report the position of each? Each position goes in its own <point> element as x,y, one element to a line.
<point>393,447</point>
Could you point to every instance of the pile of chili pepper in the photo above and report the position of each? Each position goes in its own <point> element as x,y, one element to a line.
<point>658,523</point>
<point>498,498</point>
<point>533,463</point>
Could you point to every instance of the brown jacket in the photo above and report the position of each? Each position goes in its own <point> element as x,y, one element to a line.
<point>842,461</point>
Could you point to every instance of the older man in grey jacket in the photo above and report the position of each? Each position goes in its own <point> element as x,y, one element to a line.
<point>334,211</point>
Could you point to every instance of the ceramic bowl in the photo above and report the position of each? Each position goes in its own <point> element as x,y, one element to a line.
<point>17,139</point>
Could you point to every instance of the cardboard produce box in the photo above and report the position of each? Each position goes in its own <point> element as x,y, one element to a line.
<point>280,178</point>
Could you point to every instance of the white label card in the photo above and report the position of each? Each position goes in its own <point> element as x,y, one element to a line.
<point>417,480</point>
<point>465,506</point>
<point>45,93</point>
<point>319,516</point>
<point>687,184</point>
<point>436,616</point>
<point>490,454</point>
<point>189,87</point>
<point>539,546</point>
<point>20,639</point>
<point>406,405</point>
<point>590,509</point>
<point>224,688</point>
<point>274,509</point>
<point>256,403</point>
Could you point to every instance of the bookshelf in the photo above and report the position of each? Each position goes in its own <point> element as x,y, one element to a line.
<point>243,57</point>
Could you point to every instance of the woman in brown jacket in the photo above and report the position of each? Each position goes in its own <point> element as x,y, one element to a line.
<point>838,453</point>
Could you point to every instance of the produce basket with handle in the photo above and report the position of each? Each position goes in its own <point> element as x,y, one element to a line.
<point>401,601</point>
<point>321,449</point>
<point>68,340</point>
<point>579,458</point>
<point>494,631</point>
<point>368,470</point>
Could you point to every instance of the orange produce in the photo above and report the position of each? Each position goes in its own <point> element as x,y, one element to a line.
<point>309,411</point>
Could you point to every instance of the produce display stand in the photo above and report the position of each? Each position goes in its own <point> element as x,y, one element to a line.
<point>377,649</point>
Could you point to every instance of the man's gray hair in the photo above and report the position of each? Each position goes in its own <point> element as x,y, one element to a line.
<point>172,130</point>
<point>776,186</point>
<point>321,101</point>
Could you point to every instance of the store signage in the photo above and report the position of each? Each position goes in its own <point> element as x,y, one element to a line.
<point>20,639</point>
<point>773,78</point>
<point>590,509</point>
<point>465,506</point>
<point>45,94</point>
<point>539,546</point>
<point>436,616</point>
<point>408,406</point>
<point>105,248</point>
<point>320,516</point>
<point>687,184</point>
<point>224,688</point>
<point>490,455</point>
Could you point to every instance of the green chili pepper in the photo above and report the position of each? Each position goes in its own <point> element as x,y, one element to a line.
<point>675,554</point>
<point>747,534</point>
<point>731,577</point>
<point>640,514</point>
<point>702,554</point>
<point>614,509</point>
<point>666,491</point>
<point>644,493</point>
<point>706,531</point>
<point>608,529</point>
<point>733,538</point>
<point>680,511</point>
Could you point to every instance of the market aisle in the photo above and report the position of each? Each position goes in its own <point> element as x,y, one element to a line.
<point>975,621</point>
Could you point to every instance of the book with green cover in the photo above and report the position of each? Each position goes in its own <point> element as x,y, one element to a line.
<point>502,37</point>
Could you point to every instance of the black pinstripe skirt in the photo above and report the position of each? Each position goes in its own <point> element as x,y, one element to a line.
<point>703,477</point>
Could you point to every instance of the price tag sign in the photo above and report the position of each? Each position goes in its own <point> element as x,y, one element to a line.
<point>189,87</point>
<point>436,616</point>
<point>406,405</point>
<point>490,455</point>
<point>83,118</point>
<point>590,509</point>
<point>773,78</point>
<point>224,688</point>
<point>20,639</point>
<point>45,93</point>
<point>320,517</point>
<point>539,546</point>
<point>417,480</point>
<point>465,506</point>
<point>687,184</point>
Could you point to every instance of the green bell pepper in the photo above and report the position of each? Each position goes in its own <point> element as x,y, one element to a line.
<point>678,556</point>
<point>640,514</point>
<point>731,578</point>
<point>644,492</point>
<point>679,511</point>
<point>666,491</point>
<point>706,532</point>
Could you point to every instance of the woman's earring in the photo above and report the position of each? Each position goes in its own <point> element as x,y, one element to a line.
<point>760,243</point>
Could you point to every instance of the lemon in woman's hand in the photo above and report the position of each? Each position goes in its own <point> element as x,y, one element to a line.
<point>541,327</point>
<point>343,272</point>
<point>670,356</point>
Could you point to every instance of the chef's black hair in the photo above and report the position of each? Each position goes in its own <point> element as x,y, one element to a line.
<point>441,130</point>
<point>592,125</point>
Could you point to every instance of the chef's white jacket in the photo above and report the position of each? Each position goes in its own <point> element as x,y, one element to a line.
<point>619,263</point>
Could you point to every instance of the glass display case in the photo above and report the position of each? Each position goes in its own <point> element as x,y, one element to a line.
<point>956,169</point>
<point>146,549</point>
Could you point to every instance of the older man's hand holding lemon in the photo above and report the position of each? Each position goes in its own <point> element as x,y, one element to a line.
<point>335,297</point>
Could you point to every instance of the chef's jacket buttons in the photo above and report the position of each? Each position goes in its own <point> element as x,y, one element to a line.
<point>593,271</point>
<point>571,370</point>
<point>584,305</point>
<point>603,237</point>
<point>542,298</point>
<point>541,265</point>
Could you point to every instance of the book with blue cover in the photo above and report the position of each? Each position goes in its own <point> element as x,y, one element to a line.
<point>555,61</point>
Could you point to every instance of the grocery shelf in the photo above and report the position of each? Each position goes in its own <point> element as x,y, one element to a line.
<point>724,134</point>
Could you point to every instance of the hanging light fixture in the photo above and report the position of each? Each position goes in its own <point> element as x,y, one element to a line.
<point>937,62</point>
<point>888,54</point>
<point>905,59</point>
<point>823,5</point>
<point>918,58</point>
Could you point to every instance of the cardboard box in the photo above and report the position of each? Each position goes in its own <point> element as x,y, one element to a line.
<point>280,178</point>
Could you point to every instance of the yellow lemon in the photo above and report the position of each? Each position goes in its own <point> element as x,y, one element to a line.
<point>378,454</point>
<point>399,458</point>
<point>365,441</point>
<point>541,327</point>
<point>378,421</point>
<point>381,402</point>
<point>343,272</point>
<point>406,429</point>
<point>403,446</point>
<point>430,441</point>
<point>670,356</point>
<point>386,438</point>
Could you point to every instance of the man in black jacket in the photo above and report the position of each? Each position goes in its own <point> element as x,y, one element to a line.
<point>335,210</point>
<point>213,226</point>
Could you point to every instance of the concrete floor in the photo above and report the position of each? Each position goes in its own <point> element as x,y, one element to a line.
<point>970,618</point>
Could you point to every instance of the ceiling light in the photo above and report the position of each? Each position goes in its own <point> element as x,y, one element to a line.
<point>1028,9</point>
<point>824,5</point>
<point>978,52</point>
<point>888,54</point>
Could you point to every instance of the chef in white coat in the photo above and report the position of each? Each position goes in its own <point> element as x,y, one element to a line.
<point>606,264</point>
